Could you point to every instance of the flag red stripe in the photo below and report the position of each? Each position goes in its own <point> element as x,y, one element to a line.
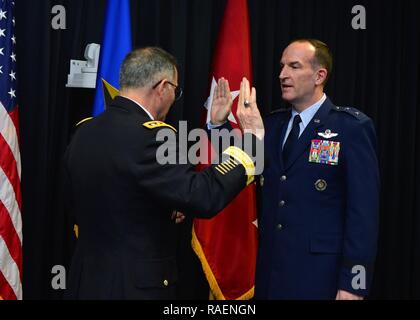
<point>6,291</point>
<point>9,166</point>
<point>11,259</point>
<point>10,237</point>
<point>14,115</point>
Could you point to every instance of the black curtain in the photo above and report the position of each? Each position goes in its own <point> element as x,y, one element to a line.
<point>376,70</point>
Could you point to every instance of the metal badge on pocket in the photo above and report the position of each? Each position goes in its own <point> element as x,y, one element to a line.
<point>320,185</point>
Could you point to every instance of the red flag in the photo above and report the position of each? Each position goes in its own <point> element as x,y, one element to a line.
<point>10,165</point>
<point>227,243</point>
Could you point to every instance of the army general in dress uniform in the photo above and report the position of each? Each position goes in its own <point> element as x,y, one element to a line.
<point>318,194</point>
<point>123,198</point>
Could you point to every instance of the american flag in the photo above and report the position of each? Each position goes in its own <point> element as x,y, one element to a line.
<point>10,165</point>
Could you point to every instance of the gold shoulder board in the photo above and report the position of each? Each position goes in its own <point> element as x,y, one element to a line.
<point>157,124</point>
<point>83,121</point>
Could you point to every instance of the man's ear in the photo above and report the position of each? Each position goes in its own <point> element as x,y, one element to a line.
<point>161,87</point>
<point>321,76</point>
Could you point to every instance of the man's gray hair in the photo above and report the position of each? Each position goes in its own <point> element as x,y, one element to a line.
<point>143,67</point>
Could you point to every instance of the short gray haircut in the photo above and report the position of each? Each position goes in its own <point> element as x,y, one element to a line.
<point>143,67</point>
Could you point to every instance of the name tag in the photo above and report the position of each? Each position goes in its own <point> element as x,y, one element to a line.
<point>324,151</point>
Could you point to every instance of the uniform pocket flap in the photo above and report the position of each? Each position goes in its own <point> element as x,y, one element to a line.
<point>326,243</point>
<point>156,273</point>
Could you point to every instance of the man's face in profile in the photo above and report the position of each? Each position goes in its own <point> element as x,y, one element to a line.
<point>297,76</point>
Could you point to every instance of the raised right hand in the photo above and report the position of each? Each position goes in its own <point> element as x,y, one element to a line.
<point>249,116</point>
<point>222,102</point>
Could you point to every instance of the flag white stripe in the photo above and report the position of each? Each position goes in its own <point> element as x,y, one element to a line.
<point>9,133</point>
<point>8,198</point>
<point>10,270</point>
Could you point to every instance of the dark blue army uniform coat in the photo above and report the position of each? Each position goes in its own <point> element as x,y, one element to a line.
<point>318,222</point>
<point>123,200</point>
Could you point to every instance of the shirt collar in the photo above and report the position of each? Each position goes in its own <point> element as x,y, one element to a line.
<point>145,110</point>
<point>309,113</point>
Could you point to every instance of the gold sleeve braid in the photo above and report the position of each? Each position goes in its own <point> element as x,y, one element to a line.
<point>243,158</point>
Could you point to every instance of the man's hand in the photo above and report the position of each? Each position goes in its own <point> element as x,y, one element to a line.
<point>222,103</point>
<point>344,295</point>
<point>248,114</point>
<point>178,217</point>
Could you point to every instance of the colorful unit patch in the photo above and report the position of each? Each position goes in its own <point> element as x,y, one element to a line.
<point>324,151</point>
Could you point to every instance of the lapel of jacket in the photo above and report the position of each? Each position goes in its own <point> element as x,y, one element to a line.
<point>310,132</point>
<point>278,129</point>
<point>279,145</point>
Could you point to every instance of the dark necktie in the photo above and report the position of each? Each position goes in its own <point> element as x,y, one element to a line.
<point>291,139</point>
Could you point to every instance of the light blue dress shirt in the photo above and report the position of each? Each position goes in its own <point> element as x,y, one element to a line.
<point>306,117</point>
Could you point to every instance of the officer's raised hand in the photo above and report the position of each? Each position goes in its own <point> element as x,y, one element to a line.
<point>248,114</point>
<point>222,103</point>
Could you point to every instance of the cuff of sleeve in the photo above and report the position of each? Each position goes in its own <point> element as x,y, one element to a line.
<point>243,158</point>
<point>356,280</point>
<point>214,126</point>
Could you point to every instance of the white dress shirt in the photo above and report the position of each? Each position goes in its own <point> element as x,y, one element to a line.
<point>145,110</point>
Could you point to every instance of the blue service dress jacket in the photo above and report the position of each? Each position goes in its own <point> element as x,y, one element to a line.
<point>318,213</point>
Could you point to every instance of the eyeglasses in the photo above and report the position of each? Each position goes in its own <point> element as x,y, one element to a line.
<point>178,89</point>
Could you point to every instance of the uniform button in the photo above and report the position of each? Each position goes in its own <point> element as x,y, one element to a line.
<point>279,226</point>
<point>262,181</point>
<point>282,203</point>
<point>165,283</point>
<point>283,178</point>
